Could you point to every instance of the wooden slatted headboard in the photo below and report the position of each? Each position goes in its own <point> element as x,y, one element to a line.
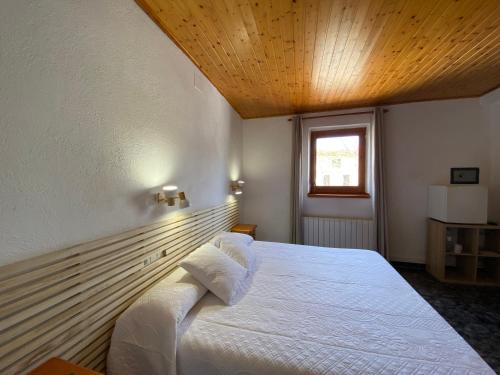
<point>65,303</point>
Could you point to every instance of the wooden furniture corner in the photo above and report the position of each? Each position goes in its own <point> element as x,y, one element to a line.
<point>479,261</point>
<point>245,229</point>
<point>58,366</point>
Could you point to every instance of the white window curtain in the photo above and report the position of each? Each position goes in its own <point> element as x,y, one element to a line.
<point>297,196</point>
<point>380,192</point>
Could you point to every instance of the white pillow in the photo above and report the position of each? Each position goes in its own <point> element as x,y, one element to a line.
<point>144,339</point>
<point>231,236</point>
<point>240,252</point>
<point>218,272</point>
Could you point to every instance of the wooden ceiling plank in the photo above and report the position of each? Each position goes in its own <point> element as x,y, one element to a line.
<point>374,28</point>
<point>262,14</point>
<point>271,15</point>
<point>340,23</point>
<point>413,63</point>
<point>258,32</point>
<point>274,17</point>
<point>385,47</point>
<point>239,38</point>
<point>478,28</point>
<point>458,76</point>
<point>208,67</point>
<point>430,85</point>
<point>459,54</point>
<point>310,27</point>
<point>398,47</point>
<point>299,17</point>
<point>389,20</point>
<point>347,24</point>
<point>218,38</point>
<point>235,29</point>
<point>271,57</point>
<point>325,8</point>
<point>358,38</point>
<point>354,44</point>
<point>211,60</point>
<point>285,11</point>
<point>485,59</point>
<point>478,61</point>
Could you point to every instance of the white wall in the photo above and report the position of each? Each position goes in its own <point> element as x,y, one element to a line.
<point>267,155</point>
<point>97,110</point>
<point>490,104</point>
<point>423,141</point>
<point>267,145</point>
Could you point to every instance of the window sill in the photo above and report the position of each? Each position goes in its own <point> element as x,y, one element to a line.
<point>324,195</point>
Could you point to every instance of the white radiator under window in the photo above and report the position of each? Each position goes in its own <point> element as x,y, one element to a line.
<point>353,233</point>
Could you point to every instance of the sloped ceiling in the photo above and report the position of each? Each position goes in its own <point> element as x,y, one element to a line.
<point>274,57</point>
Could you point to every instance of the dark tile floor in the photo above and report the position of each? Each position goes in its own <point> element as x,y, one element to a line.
<point>474,312</point>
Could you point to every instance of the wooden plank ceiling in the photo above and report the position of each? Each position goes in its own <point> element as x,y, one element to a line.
<point>273,57</point>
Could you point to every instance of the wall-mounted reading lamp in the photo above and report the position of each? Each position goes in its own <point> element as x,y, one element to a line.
<point>169,195</point>
<point>236,187</point>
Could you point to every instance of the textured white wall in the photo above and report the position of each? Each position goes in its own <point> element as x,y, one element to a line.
<point>98,109</point>
<point>267,155</point>
<point>423,141</point>
<point>267,169</point>
<point>491,110</point>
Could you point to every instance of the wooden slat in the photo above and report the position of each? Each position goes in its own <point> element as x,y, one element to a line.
<point>65,303</point>
<point>55,326</point>
<point>148,280</point>
<point>8,271</point>
<point>89,276</point>
<point>93,306</point>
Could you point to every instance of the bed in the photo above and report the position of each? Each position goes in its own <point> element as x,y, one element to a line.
<point>312,310</point>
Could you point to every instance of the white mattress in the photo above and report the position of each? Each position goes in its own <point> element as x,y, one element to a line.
<point>314,310</point>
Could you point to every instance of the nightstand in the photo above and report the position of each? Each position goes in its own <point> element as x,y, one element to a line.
<point>245,229</point>
<point>58,366</point>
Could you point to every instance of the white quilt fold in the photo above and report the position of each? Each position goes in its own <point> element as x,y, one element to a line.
<point>145,336</point>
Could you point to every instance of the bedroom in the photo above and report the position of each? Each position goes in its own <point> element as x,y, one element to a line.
<point>105,103</point>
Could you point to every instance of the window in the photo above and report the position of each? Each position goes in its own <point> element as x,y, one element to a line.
<point>338,163</point>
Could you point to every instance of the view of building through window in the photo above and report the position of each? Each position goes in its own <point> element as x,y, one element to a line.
<point>337,161</point>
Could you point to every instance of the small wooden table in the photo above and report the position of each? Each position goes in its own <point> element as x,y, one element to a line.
<point>58,366</point>
<point>245,229</point>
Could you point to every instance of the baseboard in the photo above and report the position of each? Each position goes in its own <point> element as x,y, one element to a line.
<point>406,260</point>
<point>408,266</point>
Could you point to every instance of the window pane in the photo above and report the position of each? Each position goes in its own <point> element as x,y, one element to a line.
<point>337,160</point>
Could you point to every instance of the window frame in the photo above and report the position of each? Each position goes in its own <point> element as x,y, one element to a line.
<point>338,191</point>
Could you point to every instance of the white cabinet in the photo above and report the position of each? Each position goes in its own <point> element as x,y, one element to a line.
<point>465,204</point>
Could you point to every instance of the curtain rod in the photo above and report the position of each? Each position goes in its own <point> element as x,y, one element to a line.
<point>340,114</point>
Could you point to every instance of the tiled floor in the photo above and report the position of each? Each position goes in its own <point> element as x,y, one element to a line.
<point>474,312</point>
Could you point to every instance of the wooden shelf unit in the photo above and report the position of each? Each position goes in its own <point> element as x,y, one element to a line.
<point>479,261</point>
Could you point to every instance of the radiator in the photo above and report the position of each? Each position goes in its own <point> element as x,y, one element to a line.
<point>354,233</point>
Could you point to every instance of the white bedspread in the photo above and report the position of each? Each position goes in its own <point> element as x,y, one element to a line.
<point>314,310</point>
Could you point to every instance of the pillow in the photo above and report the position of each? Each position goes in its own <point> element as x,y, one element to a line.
<point>216,271</point>
<point>240,252</point>
<point>245,238</point>
<point>145,336</point>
